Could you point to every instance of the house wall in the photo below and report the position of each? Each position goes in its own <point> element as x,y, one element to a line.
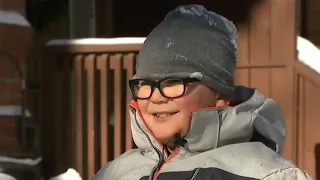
<point>17,5</point>
<point>15,43</point>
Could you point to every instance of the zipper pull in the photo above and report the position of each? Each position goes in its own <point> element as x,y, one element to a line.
<point>179,140</point>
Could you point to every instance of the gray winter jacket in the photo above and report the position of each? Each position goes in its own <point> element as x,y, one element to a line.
<point>236,143</point>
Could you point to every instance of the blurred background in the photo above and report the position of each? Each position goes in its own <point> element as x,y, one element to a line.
<point>64,67</point>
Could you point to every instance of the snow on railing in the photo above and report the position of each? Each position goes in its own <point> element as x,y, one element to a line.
<point>308,53</point>
<point>97,41</point>
<point>12,17</point>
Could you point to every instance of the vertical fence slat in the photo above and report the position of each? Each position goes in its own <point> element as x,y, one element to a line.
<point>102,66</point>
<point>58,113</point>
<point>115,64</point>
<point>283,50</point>
<point>89,65</point>
<point>129,66</point>
<point>242,75</point>
<point>63,113</point>
<point>301,84</point>
<point>78,110</point>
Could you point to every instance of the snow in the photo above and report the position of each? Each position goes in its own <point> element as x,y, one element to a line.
<point>308,53</point>
<point>197,75</point>
<point>26,161</point>
<point>111,120</point>
<point>97,41</point>
<point>198,10</point>
<point>6,177</point>
<point>13,110</point>
<point>12,17</point>
<point>213,19</point>
<point>70,174</point>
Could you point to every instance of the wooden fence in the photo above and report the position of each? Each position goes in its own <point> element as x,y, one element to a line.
<point>85,95</point>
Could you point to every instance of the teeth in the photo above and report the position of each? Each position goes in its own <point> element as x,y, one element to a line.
<point>162,115</point>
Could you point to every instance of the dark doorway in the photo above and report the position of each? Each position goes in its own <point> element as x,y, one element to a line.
<point>138,18</point>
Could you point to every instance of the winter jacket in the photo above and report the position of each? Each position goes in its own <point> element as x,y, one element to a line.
<point>243,142</point>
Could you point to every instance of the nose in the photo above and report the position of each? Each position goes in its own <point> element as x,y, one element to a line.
<point>157,97</point>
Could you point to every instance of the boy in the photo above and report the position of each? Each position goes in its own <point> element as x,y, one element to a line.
<point>184,117</point>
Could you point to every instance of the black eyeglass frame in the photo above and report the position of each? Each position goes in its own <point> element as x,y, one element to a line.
<point>156,84</point>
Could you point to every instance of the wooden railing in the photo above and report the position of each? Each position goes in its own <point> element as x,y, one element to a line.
<point>86,106</point>
<point>102,93</point>
<point>307,87</point>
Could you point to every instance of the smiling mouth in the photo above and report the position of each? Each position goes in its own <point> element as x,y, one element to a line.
<point>163,115</point>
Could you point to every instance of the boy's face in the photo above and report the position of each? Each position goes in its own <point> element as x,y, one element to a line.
<point>168,116</point>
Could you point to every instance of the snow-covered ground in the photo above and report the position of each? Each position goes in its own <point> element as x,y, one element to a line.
<point>27,161</point>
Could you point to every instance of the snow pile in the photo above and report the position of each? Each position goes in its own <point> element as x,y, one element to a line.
<point>6,177</point>
<point>26,161</point>
<point>308,53</point>
<point>70,174</point>
<point>12,110</point>
<point>97,41</point>
<point>12,17</point>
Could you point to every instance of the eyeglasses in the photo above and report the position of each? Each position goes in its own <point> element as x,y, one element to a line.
<point>169,88</point>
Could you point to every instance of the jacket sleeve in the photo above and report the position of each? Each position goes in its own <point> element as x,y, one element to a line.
<point>292,173</point>
<point>104,173</point>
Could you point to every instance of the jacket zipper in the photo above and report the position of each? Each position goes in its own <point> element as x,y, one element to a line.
<point>156,169</point>
<point>173,154</point>
<point>195,174</point>
<point>161,160</point>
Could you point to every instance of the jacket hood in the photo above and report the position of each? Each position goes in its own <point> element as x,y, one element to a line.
<point>257,118</point>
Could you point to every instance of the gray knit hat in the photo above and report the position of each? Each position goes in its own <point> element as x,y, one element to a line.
<point>191,42</point>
